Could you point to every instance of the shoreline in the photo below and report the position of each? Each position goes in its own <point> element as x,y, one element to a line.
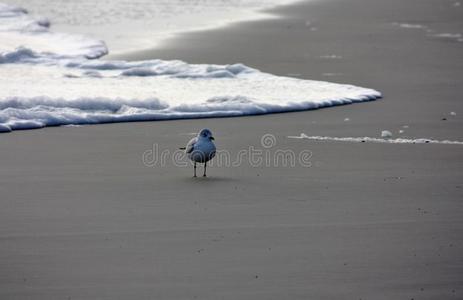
<point>123,32</point>
<point>68,93</point>
<point>320,55</point>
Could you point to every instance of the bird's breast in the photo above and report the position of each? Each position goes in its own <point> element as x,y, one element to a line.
<point>202,152</point>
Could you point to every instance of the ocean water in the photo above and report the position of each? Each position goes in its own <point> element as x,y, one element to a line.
<point>127,25</point>
<point>51,78</point>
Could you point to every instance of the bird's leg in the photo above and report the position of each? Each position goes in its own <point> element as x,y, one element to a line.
<point>205,165</point>
<point>195,170</point>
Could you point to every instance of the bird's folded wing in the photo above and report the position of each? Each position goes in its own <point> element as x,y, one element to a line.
<point>191,145</point>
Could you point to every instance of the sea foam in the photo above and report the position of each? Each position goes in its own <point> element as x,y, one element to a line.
<point>143,24</point>
<point>59,84</point>
<point>366,139</point>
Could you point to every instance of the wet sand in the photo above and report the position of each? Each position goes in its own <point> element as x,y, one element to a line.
<point>84,218</point>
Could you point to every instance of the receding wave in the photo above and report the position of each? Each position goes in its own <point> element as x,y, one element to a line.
<point>63,85</point>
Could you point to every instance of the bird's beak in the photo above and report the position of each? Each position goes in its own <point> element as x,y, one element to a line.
<point>212,138</point>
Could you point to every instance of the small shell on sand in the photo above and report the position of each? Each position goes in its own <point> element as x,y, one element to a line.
<point>386,134</point>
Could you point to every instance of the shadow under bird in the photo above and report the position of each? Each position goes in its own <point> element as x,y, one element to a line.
<point>201,149</point>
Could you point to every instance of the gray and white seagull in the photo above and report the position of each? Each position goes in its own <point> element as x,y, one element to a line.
<point>201,149</point>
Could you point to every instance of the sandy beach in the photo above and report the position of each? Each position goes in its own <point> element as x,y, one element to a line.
<point>83,217</point>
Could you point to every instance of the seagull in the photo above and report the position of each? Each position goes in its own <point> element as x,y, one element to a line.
<point>201,149</point>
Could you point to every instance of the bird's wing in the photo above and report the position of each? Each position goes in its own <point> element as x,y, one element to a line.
<point>191,145</point>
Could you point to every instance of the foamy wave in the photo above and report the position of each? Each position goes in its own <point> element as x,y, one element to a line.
<point>40,111</point>
<point>49,80</point>
<point>19,29</point>
<point>143,24</point>
<point>375,140</point>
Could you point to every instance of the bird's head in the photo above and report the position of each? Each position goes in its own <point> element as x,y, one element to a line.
<point>206,134</point>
